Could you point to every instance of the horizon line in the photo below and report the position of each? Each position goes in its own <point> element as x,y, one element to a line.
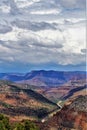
<point>46,70</point>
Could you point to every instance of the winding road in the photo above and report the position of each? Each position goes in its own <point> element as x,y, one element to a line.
<point>51,114</point>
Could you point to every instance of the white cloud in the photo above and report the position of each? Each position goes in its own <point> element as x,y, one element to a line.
<point>5,9</point>
<point>53,11</point>
<point>25,3</point>
<point>42,30</point>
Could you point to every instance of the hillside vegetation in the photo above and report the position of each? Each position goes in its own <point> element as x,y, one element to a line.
<point>21,103</point>
<point>25,125</point>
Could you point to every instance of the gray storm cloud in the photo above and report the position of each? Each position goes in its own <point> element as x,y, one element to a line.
<point>42,30</point>
<point>34,26</point>
<point>4,29</point>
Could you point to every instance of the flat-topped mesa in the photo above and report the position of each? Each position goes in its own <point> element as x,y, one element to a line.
<point>46,78</point>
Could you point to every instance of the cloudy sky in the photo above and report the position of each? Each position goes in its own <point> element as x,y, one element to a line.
<point>42,34</point>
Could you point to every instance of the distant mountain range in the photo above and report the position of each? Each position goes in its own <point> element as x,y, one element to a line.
<point>44,78</point>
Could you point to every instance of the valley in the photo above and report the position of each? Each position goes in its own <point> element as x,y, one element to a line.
<point>44,105</point>
<point>16,102</point>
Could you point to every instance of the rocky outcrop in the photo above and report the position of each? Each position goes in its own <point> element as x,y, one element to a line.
<point>71,117</point>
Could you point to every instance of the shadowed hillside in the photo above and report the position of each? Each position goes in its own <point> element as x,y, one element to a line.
<point>15,101</point>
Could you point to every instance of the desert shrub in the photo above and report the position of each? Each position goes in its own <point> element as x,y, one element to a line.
<point>1,117</point>
<point>19,126</point>
<point>2,127</point>
<point>26,125</point>
<point>4,123</point>
<point>30,125</point>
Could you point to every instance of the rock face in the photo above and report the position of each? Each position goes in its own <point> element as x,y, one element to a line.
<point>79,104</point>
<point>72,116</point>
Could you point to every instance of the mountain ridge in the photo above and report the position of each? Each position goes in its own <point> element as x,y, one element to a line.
<point>43,77</point>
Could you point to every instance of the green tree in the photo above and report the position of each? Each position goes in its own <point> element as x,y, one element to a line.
<point>2,127</point>
<point>4,123</point>
<point>1,116</point>
<point>26,125</point>
<point>19,126</point>
<point>30,125</point>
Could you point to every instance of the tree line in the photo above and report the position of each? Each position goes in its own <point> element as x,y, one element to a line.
<point>6,125</point>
